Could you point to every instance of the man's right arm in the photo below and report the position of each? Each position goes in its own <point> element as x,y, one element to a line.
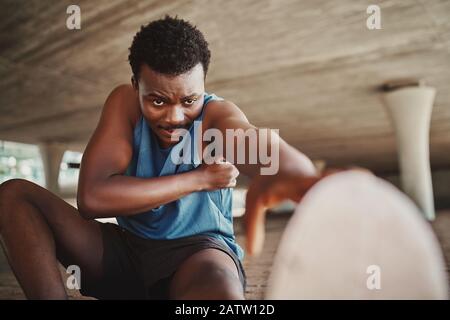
<point>104,190</point>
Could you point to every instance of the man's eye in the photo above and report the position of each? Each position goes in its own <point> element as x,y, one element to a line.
<point>189,101</point>
<point>158,102</point>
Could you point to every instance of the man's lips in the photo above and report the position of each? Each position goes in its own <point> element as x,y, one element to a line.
<point>171,131</point>
<point>168,130</point>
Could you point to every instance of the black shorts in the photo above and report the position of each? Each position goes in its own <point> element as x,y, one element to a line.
<point>137,268</point>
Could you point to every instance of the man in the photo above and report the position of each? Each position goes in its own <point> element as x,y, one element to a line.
<point>175,238</point>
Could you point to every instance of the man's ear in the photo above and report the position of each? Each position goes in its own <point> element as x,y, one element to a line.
<point>134,83</point>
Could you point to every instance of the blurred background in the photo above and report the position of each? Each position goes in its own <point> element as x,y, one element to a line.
<point>312,69</point>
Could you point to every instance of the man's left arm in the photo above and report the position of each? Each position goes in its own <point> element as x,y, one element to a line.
<point>295,172</point>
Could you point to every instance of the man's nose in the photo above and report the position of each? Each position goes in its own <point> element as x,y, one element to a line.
<point>175,115</point>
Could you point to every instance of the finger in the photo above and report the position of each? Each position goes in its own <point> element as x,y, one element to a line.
<point>330,171</point>
<point>208,159</point>
<point>235,173</point>
<point>220,159</point>
<point>360,169</point>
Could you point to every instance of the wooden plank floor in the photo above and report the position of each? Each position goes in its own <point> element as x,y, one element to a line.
<point>257,269</point>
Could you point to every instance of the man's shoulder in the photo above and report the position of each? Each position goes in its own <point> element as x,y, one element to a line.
<point>220,102</point>
<point>125,101</point>
<point>123,92</point>
<point>221,109</point>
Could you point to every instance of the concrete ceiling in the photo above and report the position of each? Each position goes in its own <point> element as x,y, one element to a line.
<point>309,68</point>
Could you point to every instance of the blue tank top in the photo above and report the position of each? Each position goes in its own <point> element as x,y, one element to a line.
<point>204,212</point>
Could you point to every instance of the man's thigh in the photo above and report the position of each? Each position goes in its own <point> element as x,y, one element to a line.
<point>77,241</point>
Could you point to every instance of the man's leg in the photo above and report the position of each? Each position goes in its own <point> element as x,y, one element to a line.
<point>38,229</point>
<point>207,274</point>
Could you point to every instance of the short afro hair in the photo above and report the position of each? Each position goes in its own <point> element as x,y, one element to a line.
<point>170,46</point>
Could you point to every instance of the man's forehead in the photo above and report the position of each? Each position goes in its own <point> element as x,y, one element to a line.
<point>186,83</point>
<point>195,73</point>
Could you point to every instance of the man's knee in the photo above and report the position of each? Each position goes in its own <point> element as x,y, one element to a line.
<point>12,191</point>
<point>13,187</point>
<point>212,281</point>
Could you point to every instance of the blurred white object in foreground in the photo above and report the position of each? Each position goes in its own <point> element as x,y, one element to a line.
<point>355,236</point>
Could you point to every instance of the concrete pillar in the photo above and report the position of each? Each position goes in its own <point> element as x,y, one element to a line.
<point>410,110</point>
<point>52,154</point>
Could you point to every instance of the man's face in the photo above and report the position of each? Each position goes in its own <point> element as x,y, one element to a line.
<point>170,102</point>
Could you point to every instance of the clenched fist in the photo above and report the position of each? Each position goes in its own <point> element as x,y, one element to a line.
<point>221,174</point>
